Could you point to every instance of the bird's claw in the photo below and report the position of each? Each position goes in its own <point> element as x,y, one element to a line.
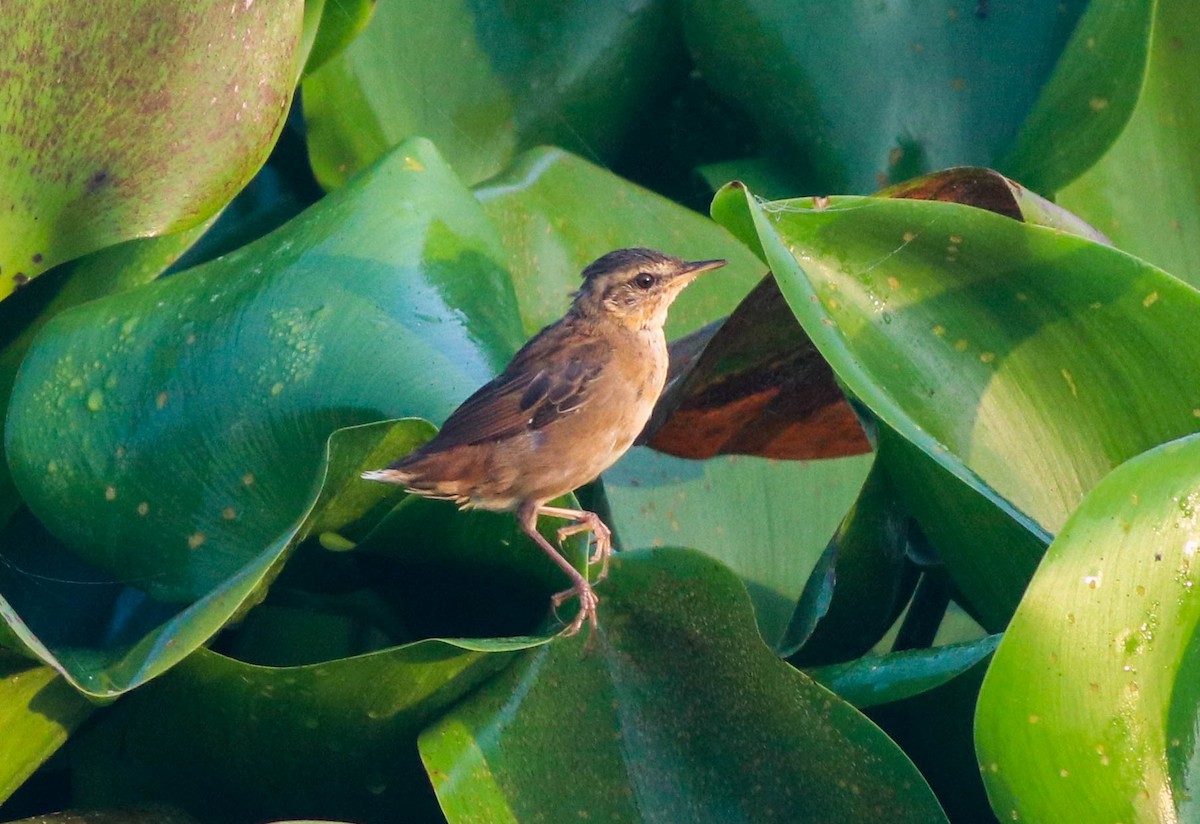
<point>588,601</point>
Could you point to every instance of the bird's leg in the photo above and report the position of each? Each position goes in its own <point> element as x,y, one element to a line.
<point>527,517</point>
<point>585,522</point>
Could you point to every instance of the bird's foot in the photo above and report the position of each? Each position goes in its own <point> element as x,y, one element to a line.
<point>588,601</point>
<point>590,522</point>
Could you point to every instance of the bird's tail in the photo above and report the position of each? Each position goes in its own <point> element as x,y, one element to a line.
<point>388,476</point>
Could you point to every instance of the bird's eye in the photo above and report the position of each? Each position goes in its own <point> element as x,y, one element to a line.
<point>643,280</point>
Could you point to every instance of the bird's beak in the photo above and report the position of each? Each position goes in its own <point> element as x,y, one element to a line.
<point>696,267</point>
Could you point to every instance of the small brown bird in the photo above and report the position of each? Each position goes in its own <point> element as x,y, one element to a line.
<point>567,406</point>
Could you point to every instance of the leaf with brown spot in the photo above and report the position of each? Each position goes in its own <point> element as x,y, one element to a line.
<point>124,120</point>
<point>754,385</point>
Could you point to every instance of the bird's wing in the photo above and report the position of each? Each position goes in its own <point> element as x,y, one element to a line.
<point>537,388</point>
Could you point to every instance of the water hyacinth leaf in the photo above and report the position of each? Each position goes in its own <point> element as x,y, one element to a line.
<point>1144,192</point>
<point>768,520</point>
<point>484,81</point>
<point>848,606</point>
<point>641,718</point>
<point>545,207</point>
<point>105,272</point>
<point>990,190</point>
<point>337,23</point>
<point>859,95</point>
<point>757,386</point>
<point>883,679</point>
<point>1088,99</point>
<point>1089,709</point>
<point>38,710</point>
<point>200,405</point>
<point>959,327</point>
<point>194,97</point>
<point>254,731</point>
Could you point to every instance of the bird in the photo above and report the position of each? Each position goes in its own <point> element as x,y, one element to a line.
<point>568,405</point>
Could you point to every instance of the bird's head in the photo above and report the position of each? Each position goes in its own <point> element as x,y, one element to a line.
<point>636,286</point>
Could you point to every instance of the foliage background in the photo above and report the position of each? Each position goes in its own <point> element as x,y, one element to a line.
<point>248,251</point>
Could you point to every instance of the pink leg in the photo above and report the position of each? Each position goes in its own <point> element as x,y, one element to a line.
<point>585,522</point>
<point>527,517</point>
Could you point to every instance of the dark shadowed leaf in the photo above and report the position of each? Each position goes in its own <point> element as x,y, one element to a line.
<point>674,711</point>
<point>853,96</point>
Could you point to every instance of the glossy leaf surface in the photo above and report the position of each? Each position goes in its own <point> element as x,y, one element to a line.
<point>961,328</point>
<point>484,81</point>
<point>1144,192</point>
<point>857,95</point>
<point>1088,99</point>
<point>212,81</point>
<point>1089,709</point>
<point>38,710</point>
<point>545,208</point>
<point>203,461</point>
<point>708,726</point>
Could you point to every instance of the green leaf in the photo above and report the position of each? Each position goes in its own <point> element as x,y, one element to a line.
<point>1025,361</point>
<point>339,23</point>
<point>484,81</point>
<point>174,435</point>
<point>675,712</point>
<point>1088,99</point>
<point>38,710</point>
<point>546,208</point>
<point>855,95</point>
<point>875,680</point>
<point>768,520</point>
<point>1089,709</point>
<point>170,110</point>
<point>101,273</point>
<point>333,740</point>
<point>1144,192</point>
<point>850,602</point>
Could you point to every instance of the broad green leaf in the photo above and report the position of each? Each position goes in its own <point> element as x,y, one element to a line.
<point>335,740</point>
<point>101,273</point>
<point>1025,361</point>
<point>767,520</point>
<point>1089,710</point>
<point>484,81</point>
<point>168,112</point>
<point>174,434</point>
<point>557,212</point>
<point>1144,192</point>
<point>38,710</point>
<point>1088,99</point>
<point>672,711</point>
<point>851,96</point>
